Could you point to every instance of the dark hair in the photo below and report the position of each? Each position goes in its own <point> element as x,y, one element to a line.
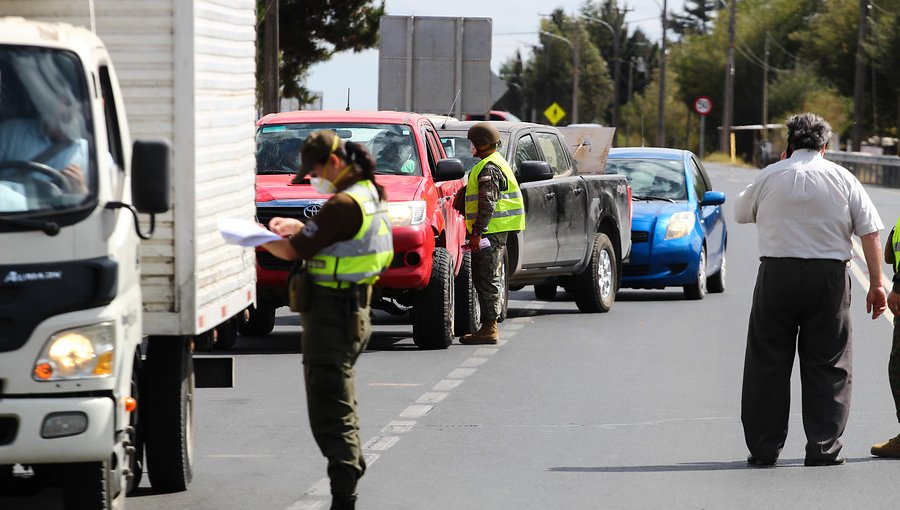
<point>808,131</point>
<point>357,155</point>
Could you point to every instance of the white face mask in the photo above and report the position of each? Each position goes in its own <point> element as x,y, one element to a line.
<point>474,150</point>
<point>322,186</point>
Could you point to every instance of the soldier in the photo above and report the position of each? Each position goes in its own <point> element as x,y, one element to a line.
<point>891,447</point>
<point>493,207</point>
<point>346,246</point>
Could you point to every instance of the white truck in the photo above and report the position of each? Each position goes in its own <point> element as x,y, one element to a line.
<point>97,327</point>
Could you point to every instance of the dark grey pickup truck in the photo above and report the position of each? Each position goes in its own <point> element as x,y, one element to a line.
<point>577,227</point>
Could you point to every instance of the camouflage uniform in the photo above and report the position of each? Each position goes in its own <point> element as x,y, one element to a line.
<point>894,359</point>
<point>487,263</point>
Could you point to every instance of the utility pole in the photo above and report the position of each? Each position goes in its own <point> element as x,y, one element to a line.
<point>860,75</point>
<point>765,95</point>
<point>576,72</point>
<point>727,110</point>
<point>270,59</point>
<point>661,119</point>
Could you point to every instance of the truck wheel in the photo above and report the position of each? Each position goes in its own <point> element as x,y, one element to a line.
<point>594,288</point>
<point>260,323</point>
<point>168,389</point>
<point>433,306</point>
<point>716,282</point>
<point>134,438</point>
<point>91,486</point>
<point>697,289</point>
<point>504,292</point>
<point>468,311</point>
<point>226,334</point>
<point>545,291</point>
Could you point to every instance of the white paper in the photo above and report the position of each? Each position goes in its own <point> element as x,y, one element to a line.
<point>245,232</point>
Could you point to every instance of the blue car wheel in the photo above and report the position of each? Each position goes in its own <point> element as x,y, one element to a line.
<point>697,289</point>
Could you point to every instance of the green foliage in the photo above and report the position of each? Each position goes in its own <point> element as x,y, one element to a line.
<point>310,32</point>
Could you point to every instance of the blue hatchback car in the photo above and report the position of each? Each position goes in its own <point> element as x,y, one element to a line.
<point>678,233</point>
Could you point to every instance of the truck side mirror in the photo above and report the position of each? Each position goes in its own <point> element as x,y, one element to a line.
<point>448,170</point>
<point>713,198</point>
<point>530,171</point>
<point>151,170</point>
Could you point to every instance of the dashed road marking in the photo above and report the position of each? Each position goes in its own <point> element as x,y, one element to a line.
<point>432,397</point>
<point>473,362</point>
<point>381,443</point>
<point>447,384</point>
<point>460,373</point>
<point>398,427</point>
<point>416,411</point>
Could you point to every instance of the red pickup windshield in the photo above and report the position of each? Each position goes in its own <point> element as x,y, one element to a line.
<point>392,146</point>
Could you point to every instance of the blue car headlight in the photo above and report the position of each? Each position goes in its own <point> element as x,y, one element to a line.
<point>680,225</point>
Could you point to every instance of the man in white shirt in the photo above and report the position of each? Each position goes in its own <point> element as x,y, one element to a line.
<point>806,210</point>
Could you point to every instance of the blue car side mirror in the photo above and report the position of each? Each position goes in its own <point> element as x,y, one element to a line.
<point>713,198</point>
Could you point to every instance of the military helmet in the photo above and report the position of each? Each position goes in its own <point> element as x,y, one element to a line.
<point>483,134</point>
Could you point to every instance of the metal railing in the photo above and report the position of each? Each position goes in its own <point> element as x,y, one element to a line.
<point>877,170</point>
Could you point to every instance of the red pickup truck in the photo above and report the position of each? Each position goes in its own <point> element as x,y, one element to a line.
<point>429,277</point>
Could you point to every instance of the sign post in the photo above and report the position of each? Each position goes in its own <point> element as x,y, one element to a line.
<point>702,105</point>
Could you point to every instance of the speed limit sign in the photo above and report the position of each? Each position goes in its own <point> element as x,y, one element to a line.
<point>703,105</point>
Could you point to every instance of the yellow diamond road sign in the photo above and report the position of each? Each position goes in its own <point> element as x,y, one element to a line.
<point>554,113</point>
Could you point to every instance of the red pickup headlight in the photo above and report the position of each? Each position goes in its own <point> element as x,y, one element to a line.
<point>404,214</point>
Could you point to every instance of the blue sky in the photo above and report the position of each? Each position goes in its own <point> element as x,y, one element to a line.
<point>515,24</point>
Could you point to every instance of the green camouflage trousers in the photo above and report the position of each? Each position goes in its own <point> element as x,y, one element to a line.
<point>487,271</point>
<point>336,328</point>
<point>894,367</point>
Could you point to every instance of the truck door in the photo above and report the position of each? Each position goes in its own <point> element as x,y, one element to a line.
<point>571,196</point>
<point>541,207</point>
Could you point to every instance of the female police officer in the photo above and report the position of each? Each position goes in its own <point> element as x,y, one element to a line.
<point>345,247</point>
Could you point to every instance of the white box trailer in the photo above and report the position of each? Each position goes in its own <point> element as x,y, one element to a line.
<point>187,71</point>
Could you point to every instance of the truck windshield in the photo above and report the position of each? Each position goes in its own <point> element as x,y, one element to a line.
<point>46,147</point>
<point>392,146</point>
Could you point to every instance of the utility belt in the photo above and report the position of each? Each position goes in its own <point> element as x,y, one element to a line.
<point>302,291</point>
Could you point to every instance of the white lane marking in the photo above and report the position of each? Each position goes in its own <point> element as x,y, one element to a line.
<point>460,373</point>
<point>485,351</point>
<point>432,397</point>
<point>416,411</point>
<point>447,384</point>
<point>398,427</point>
<point>473,362</point>
<point>861,272</point>
<point>381,443</point>
<point>371,458</point>
<point>321,488</point>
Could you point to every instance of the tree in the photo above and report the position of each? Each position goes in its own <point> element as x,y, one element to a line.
<point>514,99</point>
<point>696,17</point>
<point>311,32</point>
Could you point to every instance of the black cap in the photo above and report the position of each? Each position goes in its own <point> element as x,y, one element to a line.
<point>316,149</point>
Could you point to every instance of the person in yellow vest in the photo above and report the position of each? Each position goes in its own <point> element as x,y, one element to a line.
<point>891,447</point>
<point>493,208</point>
<point>345,247</point>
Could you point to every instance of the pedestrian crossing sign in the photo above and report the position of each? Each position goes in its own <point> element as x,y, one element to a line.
<point>554,113</point>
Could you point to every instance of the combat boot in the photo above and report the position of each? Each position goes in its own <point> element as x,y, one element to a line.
<point>488,334</point>
<point>889,449</point>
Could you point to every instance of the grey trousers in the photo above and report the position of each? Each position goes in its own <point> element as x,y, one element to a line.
<point>799,305</point>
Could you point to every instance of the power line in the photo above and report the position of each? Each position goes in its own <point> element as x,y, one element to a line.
<point>788,53</point>
<point>745,50</point>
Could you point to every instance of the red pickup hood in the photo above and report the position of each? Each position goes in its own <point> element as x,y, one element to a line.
<point>278,187</point>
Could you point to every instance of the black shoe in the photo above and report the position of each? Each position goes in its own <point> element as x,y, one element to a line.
<point>343,501</point>
<point>837,461</point>
<point>760,462</point>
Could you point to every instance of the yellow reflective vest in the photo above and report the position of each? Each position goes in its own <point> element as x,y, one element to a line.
<point>360,259</point>
<point>895,241</point>
<point>509,214</point>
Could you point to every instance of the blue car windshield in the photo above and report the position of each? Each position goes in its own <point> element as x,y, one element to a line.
<point>656,178</point>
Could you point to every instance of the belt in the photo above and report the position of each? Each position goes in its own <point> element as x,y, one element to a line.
<point>798,259</point>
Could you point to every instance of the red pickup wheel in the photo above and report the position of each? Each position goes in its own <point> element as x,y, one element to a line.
<point>433,306</point>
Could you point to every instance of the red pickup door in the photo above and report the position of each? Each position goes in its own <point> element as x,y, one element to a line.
<point>429,276</point>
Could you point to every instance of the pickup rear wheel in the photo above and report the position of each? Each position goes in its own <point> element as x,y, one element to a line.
<point>595,287</point>
<point>468,312</point>
<point>168,390</point>
<point>260,322</point>
<point>433,306</point>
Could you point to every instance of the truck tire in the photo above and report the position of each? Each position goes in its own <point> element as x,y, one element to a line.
<point>697,289</point>
<point>716,283</point>
<point>91,486</point>
<point>545,291</point>
<point>433,306</point>
<point>168,389</point>
<point>227,332</point>
<point>595,287</point>
<point>467,316</point>
<point>135,460</point>
<point>260,322</point>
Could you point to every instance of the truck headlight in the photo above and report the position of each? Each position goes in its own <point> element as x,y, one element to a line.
<point>80,353</point>
<point>680,225</point>
<point>404,214</point>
